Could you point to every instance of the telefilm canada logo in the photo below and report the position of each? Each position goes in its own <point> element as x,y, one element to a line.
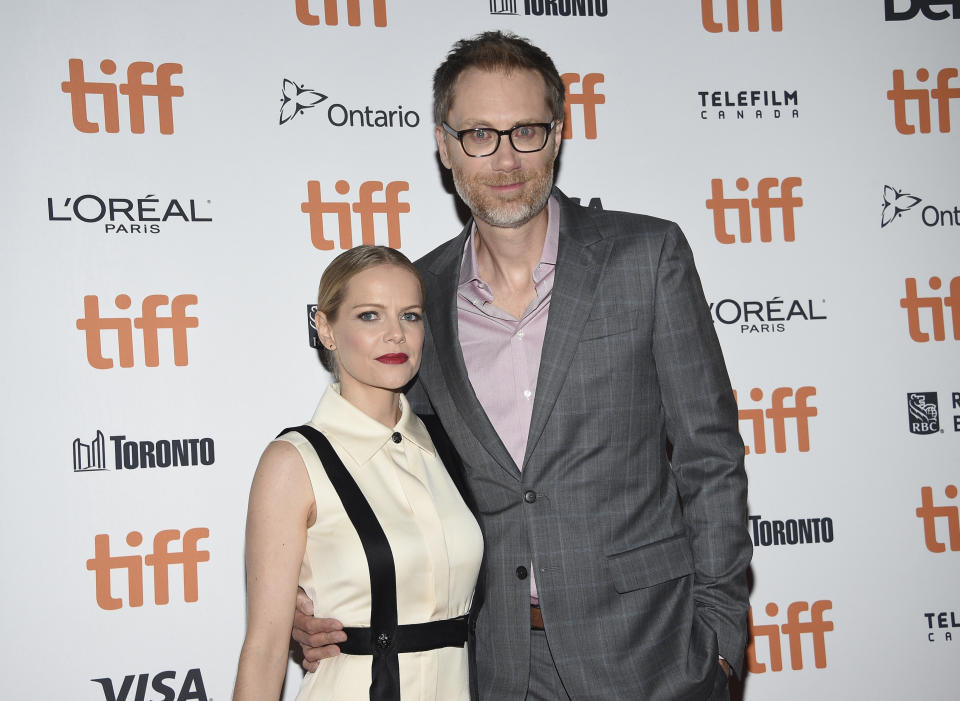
<point>941,625</point>
<point>296,99</point>
<point>898,202</point>
<point>128,215</point>
<point>762,316</point>
<point>749,104</point>
<point>96,455</point>
<point>550,8</point>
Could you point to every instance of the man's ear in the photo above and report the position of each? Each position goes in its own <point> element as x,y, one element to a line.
<point>440,136</point>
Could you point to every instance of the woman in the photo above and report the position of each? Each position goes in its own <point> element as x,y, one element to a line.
<point>378,508</point>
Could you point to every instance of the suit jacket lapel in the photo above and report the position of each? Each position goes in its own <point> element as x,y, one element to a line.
<point>441,310</point>
<point>579,266</point>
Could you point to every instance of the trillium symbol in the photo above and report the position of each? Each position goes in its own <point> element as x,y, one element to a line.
<point>895,203</point>
<point>296,99</point>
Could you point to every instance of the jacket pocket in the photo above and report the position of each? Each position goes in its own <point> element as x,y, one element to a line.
<point>620,321</point>
<point>651,564</point>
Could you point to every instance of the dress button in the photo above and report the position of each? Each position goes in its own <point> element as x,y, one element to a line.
<point>521,572</point>
<point>396,437</point>
<point>529,496</point>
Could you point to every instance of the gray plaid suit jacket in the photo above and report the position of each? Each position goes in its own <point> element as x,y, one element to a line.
<point>640,557</point>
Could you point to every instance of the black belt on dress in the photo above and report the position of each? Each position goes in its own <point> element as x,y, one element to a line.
<point>411,637</point>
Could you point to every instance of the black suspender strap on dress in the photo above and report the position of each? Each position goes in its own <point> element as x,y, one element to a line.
<point>384,639</point>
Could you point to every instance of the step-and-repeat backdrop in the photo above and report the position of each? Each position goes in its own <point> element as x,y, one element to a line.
<point>177,175</point>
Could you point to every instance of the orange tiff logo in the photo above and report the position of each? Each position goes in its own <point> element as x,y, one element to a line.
<point>712,25</point>
<point>764,204</point>
<point>149,322</point>
<point>365,206</point>
<point>794,629</point>
<point>935,304</point>
<point>103,563</point>
<point>331,15</point>
<point>928,513</point>
<point>588,98</point>
<point>778,413</point>
<point>900,95</point>
<point>79,88</point>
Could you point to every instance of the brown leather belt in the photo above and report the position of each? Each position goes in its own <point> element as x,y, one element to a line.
<point>536,618</point>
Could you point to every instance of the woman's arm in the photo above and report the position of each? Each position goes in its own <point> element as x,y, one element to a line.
<point>280,511</point>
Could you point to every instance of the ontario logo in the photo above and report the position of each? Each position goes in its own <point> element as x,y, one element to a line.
<point>295,99</point>
<point>896,203</point>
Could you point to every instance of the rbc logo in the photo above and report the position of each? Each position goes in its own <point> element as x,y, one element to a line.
<point>943,94</point>
<point>79,88</point>
<point>913,303</point>
<point>794,629</point>
<point>928,513</point>
<point>103,564</point>
<point>331,16</point>
<point>587,97</point>
<point>778,413</point>
<point>391,207</point>
<point>924,413</point>
<point>733,16</point>
<point>764,203</point>
<point>149,322</point>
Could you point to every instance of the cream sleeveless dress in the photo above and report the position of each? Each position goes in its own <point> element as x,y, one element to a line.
<point>436,544</point>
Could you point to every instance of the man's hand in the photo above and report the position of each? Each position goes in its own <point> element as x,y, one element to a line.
<point>723,663</point>
<point>317,636</point>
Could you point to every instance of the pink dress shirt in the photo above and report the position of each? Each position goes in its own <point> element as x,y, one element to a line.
<point>501,352</point>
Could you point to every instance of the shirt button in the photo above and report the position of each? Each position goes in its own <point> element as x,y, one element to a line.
<point>396,437</point>
<point>520,333</point>
<point>521,572</point>
<point>527,393</point>
<point>529,496</point>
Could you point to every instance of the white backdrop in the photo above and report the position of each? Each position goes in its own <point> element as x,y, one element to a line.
<point>233,259</point>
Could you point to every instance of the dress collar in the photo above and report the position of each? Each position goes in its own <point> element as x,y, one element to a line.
<point>361,436</point>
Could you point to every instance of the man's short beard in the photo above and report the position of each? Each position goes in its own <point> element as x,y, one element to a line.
<point>511,214</point>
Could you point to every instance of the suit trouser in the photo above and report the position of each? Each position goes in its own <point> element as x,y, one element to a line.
<point>545,683</point>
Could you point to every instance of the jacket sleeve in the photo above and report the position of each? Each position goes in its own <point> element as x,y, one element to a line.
<point>707,458</point>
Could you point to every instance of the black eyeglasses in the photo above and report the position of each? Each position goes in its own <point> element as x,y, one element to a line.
<point>484,141</point>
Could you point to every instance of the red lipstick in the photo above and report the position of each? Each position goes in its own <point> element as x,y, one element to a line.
<point>393,358</point>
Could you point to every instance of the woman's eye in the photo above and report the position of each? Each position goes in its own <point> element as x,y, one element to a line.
<point>410,316</point>
<point>367,316</point>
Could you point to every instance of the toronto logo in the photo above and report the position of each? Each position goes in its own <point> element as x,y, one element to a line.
<point>895,203</point>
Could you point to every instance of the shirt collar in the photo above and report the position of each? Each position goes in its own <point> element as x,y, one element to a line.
<point>548,257</point>
<point>361,436</point>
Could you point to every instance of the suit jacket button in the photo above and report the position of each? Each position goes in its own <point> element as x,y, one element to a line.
<point>396,437</point>
<point>529,496</point>
<point>521,572</point>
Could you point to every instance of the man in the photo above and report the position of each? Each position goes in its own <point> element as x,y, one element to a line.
<point>572,360</point>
